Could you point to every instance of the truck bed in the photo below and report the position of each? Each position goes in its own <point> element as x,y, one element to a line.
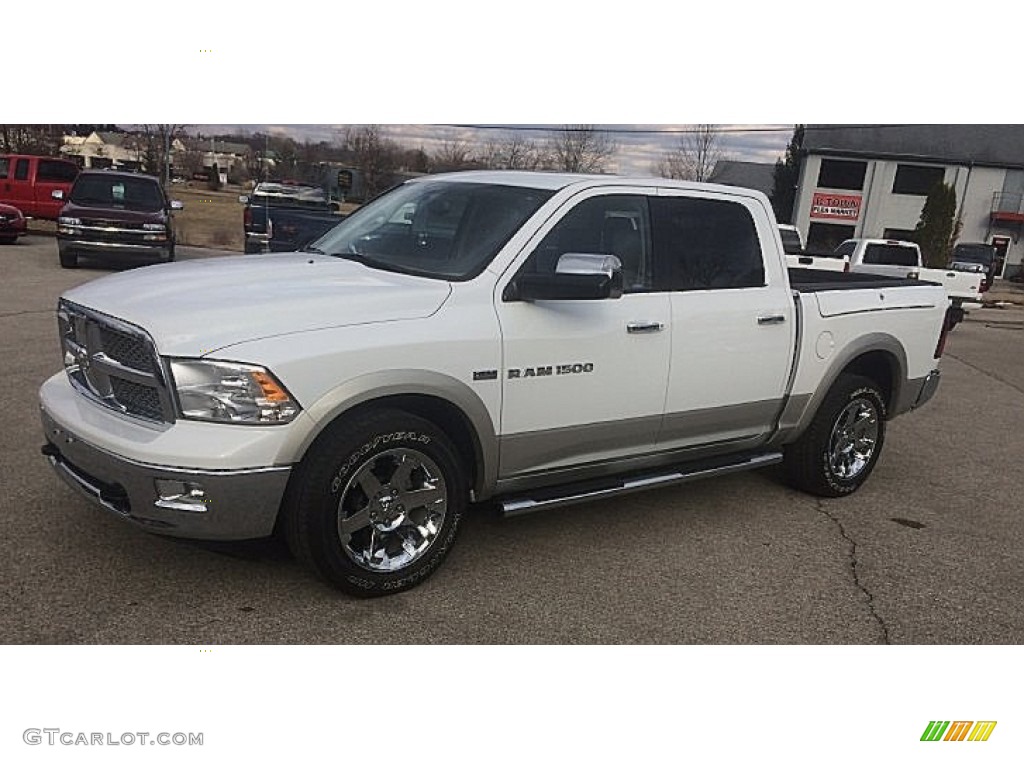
<point>815,280</point>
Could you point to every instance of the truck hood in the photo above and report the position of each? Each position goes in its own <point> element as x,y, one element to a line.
<point>195,308</point>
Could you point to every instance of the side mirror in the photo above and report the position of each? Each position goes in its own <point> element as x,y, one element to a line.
<point>243,199</point>
<point>57,194</point>
<point>578,277</point>
<point>177,205</point>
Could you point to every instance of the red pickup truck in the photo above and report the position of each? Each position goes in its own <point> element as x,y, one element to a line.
<point>28,181</point>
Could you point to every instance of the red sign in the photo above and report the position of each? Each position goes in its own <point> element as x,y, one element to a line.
<point>829,206</point>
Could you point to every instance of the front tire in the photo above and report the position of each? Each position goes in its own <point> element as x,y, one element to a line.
<point>837,453</point>
<point>375,506</point>
<point>68,260</point>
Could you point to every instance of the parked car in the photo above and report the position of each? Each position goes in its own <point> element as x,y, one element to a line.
<point>118,216</point>
<point>533,339</point>
<point>282,217</point>
<point>900,258</point>
<point>28,181</point>
<point>975,257</point>
<point>12,224</point>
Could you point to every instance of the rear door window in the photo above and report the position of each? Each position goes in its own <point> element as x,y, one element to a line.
<point>21,169</point>
<point>56,171</point>
<point>5,166</point>
<point>702,244</point>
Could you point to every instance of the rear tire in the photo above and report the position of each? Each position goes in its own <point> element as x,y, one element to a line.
<point>374,507</point>
<point>839,450</point>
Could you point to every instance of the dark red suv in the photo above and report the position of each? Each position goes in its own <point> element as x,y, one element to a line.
<point>116,215</point>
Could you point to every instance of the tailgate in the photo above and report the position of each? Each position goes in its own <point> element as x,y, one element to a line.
<point>959,285</point>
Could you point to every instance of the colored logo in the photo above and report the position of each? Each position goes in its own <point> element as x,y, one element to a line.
<point>958,730</point>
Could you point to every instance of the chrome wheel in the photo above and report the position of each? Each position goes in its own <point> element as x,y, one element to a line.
<point>854,438</point>
<point>391,510</point>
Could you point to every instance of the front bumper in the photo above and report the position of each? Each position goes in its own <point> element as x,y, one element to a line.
<point>83,247</point>
<point>232,505</point>
<point>13,228</point>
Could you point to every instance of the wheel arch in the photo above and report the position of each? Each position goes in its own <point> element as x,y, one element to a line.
<point>879,357</point>
<point>453,406</point>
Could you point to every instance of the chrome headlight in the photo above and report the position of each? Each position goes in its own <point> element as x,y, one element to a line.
<point>236,393</point>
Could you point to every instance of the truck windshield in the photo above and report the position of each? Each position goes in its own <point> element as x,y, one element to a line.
<point>443,229</point>
<point>131,193</point>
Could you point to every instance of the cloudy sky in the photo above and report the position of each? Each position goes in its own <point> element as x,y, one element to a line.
<point>639,146</point>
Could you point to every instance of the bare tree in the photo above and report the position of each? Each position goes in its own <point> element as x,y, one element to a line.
<point>157,148</point>
<point>515,153</point>
<point>581,149</point>
<point>695,156</point>
<point>375,157</point>
<point>454,155</point>
<point>31,139</point>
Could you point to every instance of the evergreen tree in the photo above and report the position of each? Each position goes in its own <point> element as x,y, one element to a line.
<point>934,231</point>
<point>787,175</point>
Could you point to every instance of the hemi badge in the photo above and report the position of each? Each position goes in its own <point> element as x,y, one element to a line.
<point>485,375</point>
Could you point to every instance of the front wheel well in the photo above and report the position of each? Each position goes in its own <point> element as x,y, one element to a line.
<point>447,416</point>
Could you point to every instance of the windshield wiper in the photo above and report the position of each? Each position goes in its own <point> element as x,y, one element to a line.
<point>311,249</point>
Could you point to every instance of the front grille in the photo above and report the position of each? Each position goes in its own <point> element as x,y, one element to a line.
<point>105,224</point>
<point>113,363</point>
<point>127,348</point>
<point>138,399</point>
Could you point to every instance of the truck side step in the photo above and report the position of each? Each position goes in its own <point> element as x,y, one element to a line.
<point>560,496</point>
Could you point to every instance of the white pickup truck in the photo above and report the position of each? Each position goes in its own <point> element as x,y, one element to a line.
<point>531,339</point>
<point>899,258</point>
<point>797,255</point>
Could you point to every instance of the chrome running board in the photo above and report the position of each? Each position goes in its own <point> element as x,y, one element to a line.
<point>549,498</point>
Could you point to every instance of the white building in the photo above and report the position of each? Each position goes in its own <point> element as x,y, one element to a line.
<point>871,181</point>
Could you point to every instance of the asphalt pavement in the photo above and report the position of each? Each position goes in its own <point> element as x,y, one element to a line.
<point>928,551</point>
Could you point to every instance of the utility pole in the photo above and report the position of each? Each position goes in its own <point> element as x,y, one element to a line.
<point>167,158</point>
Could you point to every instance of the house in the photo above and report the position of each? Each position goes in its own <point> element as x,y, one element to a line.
<point>106,149</point>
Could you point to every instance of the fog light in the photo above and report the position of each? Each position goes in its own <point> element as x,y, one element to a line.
<point>180,495</point>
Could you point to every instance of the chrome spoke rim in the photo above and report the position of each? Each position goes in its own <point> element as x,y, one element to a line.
<point>392,510</point>
<point>853,440</point>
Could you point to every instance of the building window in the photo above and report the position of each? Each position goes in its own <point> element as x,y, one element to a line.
<point>842,174</point>
<point>916,179</point>
<point>826,237</point>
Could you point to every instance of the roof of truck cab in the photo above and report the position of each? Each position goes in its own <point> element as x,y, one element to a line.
<point>555,180</point>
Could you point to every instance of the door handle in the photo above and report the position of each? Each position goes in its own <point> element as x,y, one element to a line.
<point>644,327</point>
<point>771,319</point>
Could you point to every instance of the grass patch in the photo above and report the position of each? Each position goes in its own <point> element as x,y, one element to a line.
<point>210,219</point>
